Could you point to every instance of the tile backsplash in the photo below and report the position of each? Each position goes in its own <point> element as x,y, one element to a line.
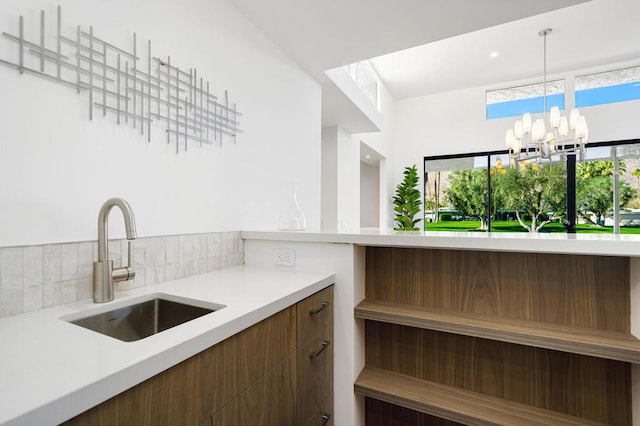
<point>36,277</point>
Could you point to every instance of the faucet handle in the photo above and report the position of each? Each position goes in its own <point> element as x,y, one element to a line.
<point>127,272</point>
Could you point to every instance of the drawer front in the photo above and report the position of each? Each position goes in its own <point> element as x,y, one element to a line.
<point>313,314</point>
<point>268,402</point>
<point>314,363</point>
<point>324,415</point>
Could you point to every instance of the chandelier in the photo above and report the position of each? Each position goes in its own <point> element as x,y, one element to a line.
<point>533,140</point>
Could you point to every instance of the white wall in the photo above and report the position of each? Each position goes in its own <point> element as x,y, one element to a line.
<point>369,195</point>
<point>57,167</point>
<point>340,180</point>
<point>329,179</point>
<point>455,122</point>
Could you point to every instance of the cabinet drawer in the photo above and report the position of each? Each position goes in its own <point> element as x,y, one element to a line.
<point>268,402</point>
<point>313,314</point>
<point>324,415</point>
<point>314,364</point>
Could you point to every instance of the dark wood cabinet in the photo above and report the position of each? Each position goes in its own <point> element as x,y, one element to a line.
<point>250,378</point>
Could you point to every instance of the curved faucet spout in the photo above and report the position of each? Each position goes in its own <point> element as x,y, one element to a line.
<point>103,273</point>
<point>103,217</point>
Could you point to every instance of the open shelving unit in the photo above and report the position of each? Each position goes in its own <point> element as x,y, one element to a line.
<point>478,337</point>
<point>584,341</point>
<point>444,402</point>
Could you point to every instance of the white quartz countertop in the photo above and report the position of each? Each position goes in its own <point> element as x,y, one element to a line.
<point>51,370</point>
<point>586,244</point>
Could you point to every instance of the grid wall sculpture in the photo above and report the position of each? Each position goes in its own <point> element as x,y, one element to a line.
<point>134,91</point>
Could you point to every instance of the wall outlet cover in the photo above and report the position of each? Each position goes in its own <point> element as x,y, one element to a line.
<point>284,257</point>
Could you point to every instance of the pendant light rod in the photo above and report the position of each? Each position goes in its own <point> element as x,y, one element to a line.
<point>544,33</point>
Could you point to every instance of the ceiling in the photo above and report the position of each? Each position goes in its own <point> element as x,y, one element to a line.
<point>421,47</point>
<point>592,34</point>
<point>321,35</point>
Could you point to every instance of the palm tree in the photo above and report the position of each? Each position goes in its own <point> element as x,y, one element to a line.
<point>636,174</point>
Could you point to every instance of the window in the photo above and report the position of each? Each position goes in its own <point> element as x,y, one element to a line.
<point>364,76</point>
<point>488,192</point>
<point>608,87</point>
<point>515,101</point>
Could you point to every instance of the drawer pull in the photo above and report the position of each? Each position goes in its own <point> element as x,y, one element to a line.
<point>325,418</point>
<point>316,354</point>
<point>318,310</point>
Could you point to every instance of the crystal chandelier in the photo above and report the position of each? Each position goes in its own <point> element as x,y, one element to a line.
<point>530,140</point>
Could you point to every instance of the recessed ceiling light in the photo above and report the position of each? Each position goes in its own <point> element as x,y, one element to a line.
<point>494,54</point>
<point>367,156</point>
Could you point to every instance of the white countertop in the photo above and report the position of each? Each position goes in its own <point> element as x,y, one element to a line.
<point>51,370</point>
<point>587,244</point>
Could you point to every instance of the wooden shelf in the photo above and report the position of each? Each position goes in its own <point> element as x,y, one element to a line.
<point>454,403</point>
<point>584,341</point>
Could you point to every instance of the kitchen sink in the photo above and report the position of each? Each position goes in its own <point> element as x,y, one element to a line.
<point>144,317</point>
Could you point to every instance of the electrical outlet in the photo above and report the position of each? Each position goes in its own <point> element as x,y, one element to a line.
<point>285,257</point>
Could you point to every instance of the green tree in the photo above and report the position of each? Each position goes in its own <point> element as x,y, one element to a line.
<point>432,193</point>
<point>636,174</point>
<point>467,193</point>
<point>591,169</point>
<point>536,191</point>
<point>595,195</point>
<point>407,201</point>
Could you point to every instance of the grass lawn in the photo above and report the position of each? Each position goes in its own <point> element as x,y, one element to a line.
<point>513,226</point>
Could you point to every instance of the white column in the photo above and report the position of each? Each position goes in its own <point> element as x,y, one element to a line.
<point>340,180</point>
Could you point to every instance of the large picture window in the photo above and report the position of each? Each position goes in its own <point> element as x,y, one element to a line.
<point>488,192</point>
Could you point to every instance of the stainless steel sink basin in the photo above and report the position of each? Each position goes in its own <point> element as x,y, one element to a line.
<point>144,317</point>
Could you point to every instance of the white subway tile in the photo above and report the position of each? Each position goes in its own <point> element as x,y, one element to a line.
<point>235,242</point>
<point>210,245</point>
<point>170,272</point>
<point>217,245</point>
<point>217,263</point>
<point>85,260</point>
<point>204,246</point>
<point>159,249</point>
<point>68,291</point>
<point>138,281</point>
<point>180,272</point>
<point>42,276</point>
<point>124,286</point>
<point>196,248</point>
<point>139,253</point>
<point>11,272</point>
<point>10,302</point>
<point>51,295</point>
<point>69,262</point>
<point>33,273</point>
<point>52,263</point>
<point>149,276</point>
<point>85,288</point>
<point>115,252</point>
<point>187,247</point>
<point>172,245</point>
<point>161,274</point>
<point>32,298</point>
